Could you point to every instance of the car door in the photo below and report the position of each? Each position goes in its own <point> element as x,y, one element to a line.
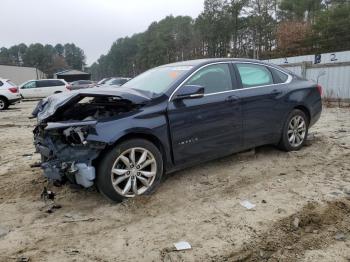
<point>58,86</point>
<point>210,126</point>
<point>41,88</point>
<point>29,89</point>
<point>51,87</point>
<point>259,97</point>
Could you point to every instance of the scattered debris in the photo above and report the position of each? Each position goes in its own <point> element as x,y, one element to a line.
<point>282,174</point>
<point>53,208</point>
<point>296,222</point>
<point>23,259</point>
<point>27,155</point>
<point>340,236</point>
<point>47,195</point>
<point>248,205</point>
<point>35,165</point>
<point>335,193</point>
<point>182,245</point>
<point>263,201</point>
<point>71,251</point>
<point>72,218</point>
<point>3,231</point>
<point>342,131</point>
<point>281,210</point>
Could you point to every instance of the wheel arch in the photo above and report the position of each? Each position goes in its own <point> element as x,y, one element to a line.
<point>139,135</point>
<point>305,110</point>
<point>6,99</point>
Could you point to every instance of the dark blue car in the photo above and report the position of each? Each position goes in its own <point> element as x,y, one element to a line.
<point>171,117</point>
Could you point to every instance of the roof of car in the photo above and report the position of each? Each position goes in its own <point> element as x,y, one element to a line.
<point>212,60</point>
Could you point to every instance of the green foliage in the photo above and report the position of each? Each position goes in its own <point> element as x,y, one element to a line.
<point>331,29</point>
<point>47,58</point>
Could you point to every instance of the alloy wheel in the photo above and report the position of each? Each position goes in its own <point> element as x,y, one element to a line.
<point>296,131</point>
<point>134,172</point>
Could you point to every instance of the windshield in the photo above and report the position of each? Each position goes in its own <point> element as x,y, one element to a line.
<point>157,80</point>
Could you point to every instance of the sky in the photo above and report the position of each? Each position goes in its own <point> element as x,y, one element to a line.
<point>93,25</point>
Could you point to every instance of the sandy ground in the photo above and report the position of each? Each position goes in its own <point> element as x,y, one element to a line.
<point>302,206</point>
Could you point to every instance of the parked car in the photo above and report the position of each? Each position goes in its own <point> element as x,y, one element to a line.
<point>81,84</point>
<point>43,88</point>
<point>9,94</point>
<point>103,81</point>
<point>116,82</point>
<point>171,117</point>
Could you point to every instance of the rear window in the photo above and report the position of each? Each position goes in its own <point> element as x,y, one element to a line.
<point>11,83</point>
<point>1,83</point>
<point>254,75</point>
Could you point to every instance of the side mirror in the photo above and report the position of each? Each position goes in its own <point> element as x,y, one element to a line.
<point>189,92</point>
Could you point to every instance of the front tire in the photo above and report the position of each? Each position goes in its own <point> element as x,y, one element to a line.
<point>130,169</point>
<point>295,131</point>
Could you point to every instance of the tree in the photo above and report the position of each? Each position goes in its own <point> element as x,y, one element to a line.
<point>74,56</point>
<point>300,10</point>
<point>331,28</point>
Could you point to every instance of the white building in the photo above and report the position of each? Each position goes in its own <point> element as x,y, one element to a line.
<point>20,74</point>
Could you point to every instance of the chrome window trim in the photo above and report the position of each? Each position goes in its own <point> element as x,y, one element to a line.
<point>289,79</point>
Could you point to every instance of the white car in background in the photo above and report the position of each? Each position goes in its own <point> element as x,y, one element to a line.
<point>8,94</point>
<point>43,88</point>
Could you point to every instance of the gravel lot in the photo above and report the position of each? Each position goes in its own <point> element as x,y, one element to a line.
<point>302,205</point>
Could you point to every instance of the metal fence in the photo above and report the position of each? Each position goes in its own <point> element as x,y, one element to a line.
<point>331,71</point>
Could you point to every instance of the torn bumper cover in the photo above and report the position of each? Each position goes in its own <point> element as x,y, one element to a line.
<point>67,136</point>
<point>66,154</point>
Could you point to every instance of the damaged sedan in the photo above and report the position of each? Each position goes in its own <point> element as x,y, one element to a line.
<point>168,118</point>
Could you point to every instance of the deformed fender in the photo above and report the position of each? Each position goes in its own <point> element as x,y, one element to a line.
<point>111,132</point>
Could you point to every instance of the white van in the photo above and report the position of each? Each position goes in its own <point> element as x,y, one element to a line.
<point>43,88</point>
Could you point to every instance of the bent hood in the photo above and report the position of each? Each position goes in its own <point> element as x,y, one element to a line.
<point>48,106</point>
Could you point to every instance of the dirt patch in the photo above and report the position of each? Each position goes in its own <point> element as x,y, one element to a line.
<point>200,205</point>
<point>314,227</point>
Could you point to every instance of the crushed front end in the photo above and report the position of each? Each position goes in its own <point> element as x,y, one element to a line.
<point>66,134</point>
<point>66,154</point>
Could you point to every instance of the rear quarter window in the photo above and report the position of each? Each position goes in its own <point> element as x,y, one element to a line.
<point>1,83</point>
<point>278,76</point>
<point>58,83</point>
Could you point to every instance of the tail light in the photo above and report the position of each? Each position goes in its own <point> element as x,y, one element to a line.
<point>13,89</point>
<point>69,87</point>
<point>319,89</point>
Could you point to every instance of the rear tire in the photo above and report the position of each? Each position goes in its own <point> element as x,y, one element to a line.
<point>137,166</point>
<point>4,104</point>
<point>295,131</point>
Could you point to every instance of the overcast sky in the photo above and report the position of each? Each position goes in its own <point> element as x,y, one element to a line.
<point>93,25</point>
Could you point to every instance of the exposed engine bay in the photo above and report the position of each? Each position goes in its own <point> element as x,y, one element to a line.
<point>62,136</point>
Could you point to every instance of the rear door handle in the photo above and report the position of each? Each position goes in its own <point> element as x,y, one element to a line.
<point>276,92</point>
<point>232,99</point>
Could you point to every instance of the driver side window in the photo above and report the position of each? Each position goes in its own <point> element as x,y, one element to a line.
<point>29,85</point>
<point>214,78</point>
